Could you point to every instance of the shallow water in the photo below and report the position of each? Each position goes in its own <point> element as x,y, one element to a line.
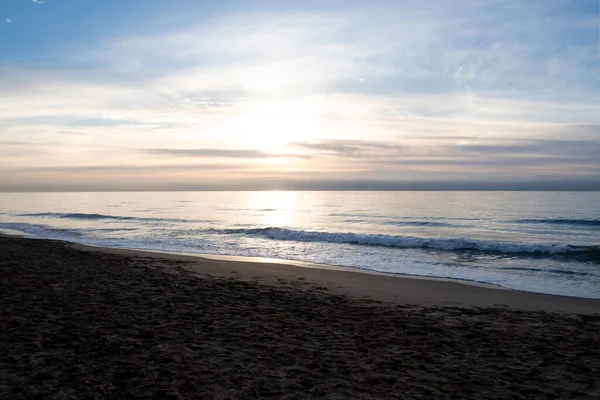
<point>545,242</point>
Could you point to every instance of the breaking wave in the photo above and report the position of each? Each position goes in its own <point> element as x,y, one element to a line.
<point>561,221</point>
<point>85,216</point>
<point>461,243</point>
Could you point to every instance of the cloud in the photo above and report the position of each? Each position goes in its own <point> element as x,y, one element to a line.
<point>37,1</point>
<point>68,120</point>
<point>26,143</point>
<point>126,169</point>
<point>510,157</point>
<point>75,133</point>
<point>537,147</point>
<point>450,47</point>
<point>226,153</point>
<point>348,89</point>
<point>8,20</point>
<point>344,147</point>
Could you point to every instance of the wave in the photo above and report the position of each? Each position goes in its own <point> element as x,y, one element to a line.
<point>91,217</point>
<point>559,221</point>
<point>461,243</point>
<point>363,239</point>
<point>404,223</point>
<point>360,215</point>
<point>407,220</point>
<point>549,270</point>
<point>249,209</point>
<point>79,216</point>
<point>423,223</point>
<point>42,230</point>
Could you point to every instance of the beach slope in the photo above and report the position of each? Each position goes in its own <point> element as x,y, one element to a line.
<point>96,323</point>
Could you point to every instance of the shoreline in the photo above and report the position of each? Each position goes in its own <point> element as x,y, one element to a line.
<point>299,264</point>
<point>246,259</point>
<point>11,233</point>
<point>387,288</point>
<point>359,283</point>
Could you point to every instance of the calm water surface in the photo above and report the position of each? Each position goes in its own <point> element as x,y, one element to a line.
<point>544,242</point>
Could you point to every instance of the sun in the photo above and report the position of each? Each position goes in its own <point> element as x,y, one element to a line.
<point>270,126</point>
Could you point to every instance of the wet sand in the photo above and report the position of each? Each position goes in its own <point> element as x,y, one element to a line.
<point>78,322</point>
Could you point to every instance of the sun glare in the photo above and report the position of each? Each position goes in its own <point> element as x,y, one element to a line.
<point>270,126</point>
<point>278,206</point>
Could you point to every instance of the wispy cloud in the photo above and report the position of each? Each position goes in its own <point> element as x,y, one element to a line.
<point>324,84</point>
<point>127,168</point>
<point>471,146</point>
<point>345,147</point>
<point>493,157</point>
<point>220,153</point>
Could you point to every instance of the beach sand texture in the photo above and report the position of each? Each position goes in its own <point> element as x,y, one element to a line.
<point>116,324</point>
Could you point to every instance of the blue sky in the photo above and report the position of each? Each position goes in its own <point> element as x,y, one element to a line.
<point>189,94</point>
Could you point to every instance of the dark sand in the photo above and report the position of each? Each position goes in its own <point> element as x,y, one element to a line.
<point>115,324</point>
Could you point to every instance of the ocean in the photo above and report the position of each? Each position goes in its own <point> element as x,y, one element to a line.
<point>544,242</point>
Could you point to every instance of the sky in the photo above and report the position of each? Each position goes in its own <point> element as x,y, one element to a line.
<point>250,94</point>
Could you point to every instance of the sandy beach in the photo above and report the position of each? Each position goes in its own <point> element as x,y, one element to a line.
<point>78,322</point>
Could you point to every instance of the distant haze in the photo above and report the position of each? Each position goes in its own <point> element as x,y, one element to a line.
<point>311,95</point>
<point>337,185</point>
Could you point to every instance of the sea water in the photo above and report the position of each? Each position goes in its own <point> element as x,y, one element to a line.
<point>546,242</point>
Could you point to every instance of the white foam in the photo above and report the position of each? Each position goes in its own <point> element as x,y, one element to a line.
<point>440,243</point>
